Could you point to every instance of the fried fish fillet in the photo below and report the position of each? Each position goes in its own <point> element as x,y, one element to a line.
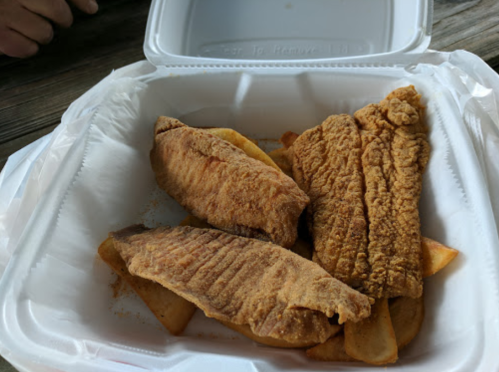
<point>327,166</point>
<point>243,281</point>
<point>364,179</point>
<point>395,154</point>
<point>217,182</point>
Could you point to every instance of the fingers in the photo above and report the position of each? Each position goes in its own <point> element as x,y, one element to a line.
<point>14,44</point>
<point>24,23</point>
<point>87,6</point>
<point>31,25</point>
<point>56,10</point>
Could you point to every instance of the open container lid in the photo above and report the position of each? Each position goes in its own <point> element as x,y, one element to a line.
<point>56,304</point>
<point>279,32</point>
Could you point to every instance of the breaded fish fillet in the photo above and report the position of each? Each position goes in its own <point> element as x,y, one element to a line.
<point>219,183</point>
<point>326,165</point>
<point>395,153</point>
<point>243,281</point>
<point>364,179</point>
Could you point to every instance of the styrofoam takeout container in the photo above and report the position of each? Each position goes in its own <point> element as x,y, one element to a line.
<point>262,68</point>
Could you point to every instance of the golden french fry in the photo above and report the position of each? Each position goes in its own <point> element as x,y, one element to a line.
<point>372,340</point>
<point>333,350</point>
<point>214,130</point>
<point>195,222</point>
<point>407,316</point>
<point>435,256</point>
<point>269,341</point>
<point>288,138</point>
<point>280,157</point>
<point>171,310</point>
<point>245,144</point>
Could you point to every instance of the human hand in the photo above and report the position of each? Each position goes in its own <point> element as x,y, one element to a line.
<point>26,23</point>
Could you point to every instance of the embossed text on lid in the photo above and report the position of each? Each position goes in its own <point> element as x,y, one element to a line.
<point>196,32</point>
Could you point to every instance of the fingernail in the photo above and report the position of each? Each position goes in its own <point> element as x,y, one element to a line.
<point>32,50</point>
<point>92,7</point>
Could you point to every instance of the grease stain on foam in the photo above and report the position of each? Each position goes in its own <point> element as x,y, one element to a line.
<point>120,288</point>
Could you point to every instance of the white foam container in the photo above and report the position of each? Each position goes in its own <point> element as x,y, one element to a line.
<point>262,68</point>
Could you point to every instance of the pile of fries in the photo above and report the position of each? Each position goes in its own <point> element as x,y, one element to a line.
<point>376,340</point>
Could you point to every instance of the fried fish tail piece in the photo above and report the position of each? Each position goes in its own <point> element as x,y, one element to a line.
<point>217,182</point>
<point>327,166</point>
<point>395,153</point>
<point>243,281</point>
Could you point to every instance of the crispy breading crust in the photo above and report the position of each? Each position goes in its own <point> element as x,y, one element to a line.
<point>326,165</point>
<point>243,281</point>
<point>395,153</point>
<point>364,179</point>
<point>219,183</point>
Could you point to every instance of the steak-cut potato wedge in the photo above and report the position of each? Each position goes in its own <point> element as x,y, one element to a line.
<point>372,340</point>
<point>288,138</point>
<point>245,144</point>
<point>333,350</point>
<point>172,311</point>
<point>435,256</point>
<point>269,341</point>
<point>407,316</point>
<point>281,159</point>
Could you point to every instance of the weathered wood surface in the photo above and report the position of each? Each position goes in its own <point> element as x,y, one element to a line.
<point>472,25</point>
<point>34,93</point>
